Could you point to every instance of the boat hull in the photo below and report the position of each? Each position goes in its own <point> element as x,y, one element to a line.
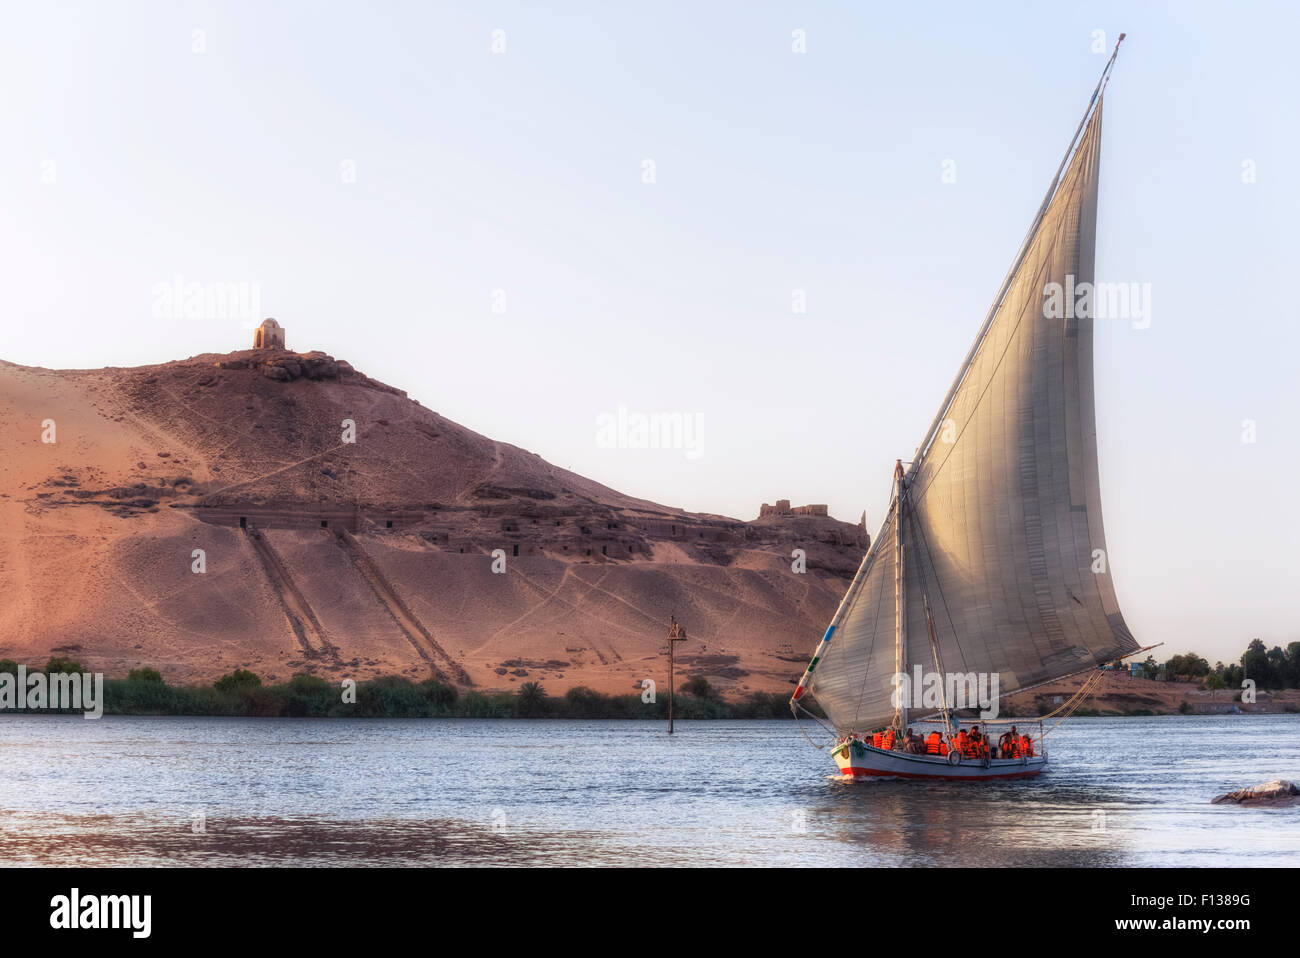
<point>864,761</point>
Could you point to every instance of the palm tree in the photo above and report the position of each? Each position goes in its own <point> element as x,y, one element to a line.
<point>532,700</point>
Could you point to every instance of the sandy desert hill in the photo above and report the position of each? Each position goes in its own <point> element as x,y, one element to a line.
<point>367,557</point>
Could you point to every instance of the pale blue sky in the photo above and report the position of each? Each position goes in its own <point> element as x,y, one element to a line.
<point>131,159</point>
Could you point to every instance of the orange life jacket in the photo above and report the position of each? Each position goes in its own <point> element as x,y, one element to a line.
<point>887,743</point>
<point>876,739</point>
<point>963,743</point>
<point>932,743</point>
<point>1027,746</point>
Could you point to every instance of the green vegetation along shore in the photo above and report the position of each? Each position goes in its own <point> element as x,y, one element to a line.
<point>241,693</point>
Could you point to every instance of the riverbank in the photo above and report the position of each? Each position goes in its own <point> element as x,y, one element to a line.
<point>1120,694</point>
<point>242,694</point>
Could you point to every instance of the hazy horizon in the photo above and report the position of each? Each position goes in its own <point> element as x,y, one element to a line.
<point>457,202</point>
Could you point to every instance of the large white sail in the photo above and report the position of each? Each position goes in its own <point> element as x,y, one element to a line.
<point>1001,517</point>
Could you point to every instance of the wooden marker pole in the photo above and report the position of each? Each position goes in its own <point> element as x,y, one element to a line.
<point>675,634</point>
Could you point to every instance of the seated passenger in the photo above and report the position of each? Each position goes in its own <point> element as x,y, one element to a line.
<point>1026,746</point>
<point>932,743</point>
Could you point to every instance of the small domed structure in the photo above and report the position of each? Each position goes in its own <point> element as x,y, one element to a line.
<point>270,335</point>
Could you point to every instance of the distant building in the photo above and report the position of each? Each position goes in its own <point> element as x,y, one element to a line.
<point>270,335</point>
<point>783,508</point>
<point>1138,671</point>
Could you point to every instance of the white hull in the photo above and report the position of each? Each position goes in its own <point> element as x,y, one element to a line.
<point>864,761</point>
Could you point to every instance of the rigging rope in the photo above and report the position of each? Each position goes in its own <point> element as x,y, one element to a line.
<point>815,719</point>
<point>1072,705</point>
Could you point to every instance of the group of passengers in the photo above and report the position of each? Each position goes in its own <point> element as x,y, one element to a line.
<point>969,743</point>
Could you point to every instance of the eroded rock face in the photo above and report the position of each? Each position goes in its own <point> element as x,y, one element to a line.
<point>1276,792</point>
<point>285,367</point>
<point>319,366</point>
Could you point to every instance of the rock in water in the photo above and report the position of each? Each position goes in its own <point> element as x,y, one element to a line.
<point>1276,792</point>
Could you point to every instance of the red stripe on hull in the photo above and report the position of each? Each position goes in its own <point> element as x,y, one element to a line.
<point>875,773</point>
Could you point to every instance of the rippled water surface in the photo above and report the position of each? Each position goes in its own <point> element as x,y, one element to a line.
<point>213,791</point>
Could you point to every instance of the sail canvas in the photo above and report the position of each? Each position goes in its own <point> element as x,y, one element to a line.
<point>1001,514</point>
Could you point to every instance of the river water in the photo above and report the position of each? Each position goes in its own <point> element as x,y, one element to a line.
<point>220,791</point>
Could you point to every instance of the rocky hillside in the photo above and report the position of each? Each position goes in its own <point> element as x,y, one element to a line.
<point>343,529</point>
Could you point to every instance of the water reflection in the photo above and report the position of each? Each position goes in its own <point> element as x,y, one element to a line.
<point>987,824</point>
<point>116,840</point>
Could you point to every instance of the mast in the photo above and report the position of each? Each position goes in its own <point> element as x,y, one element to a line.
<point>900,605</point>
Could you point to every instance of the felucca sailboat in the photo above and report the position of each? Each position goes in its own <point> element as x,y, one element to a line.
<point>991,564</point>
